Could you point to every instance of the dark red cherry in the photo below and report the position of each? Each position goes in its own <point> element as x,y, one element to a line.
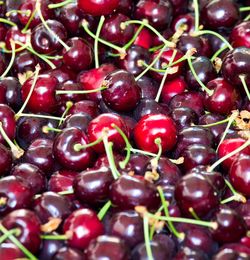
<point>230,251</point>
<point>82,225</point>
<point>65,153</point>
<point>85,106</point>
<point>98,8</point>
<point>125,7</point>
<point>15,193</point>
<point>231,226</point>
<point>43,98</point>
<point>113,31</point>
<point>28,224</point>
<point>15,35</point>
<point>80,121</point>
<point>3,31</point>
<point>2,63</point>
<point>130,191</point>
<point>244,210</point>
<point>92,186</point>
<point>138,163</point>
<point>148,86</point>
<point>32,174</point>
<point>188,253</point>
<point>109,247</point>
<point>240,35</point>
<point>43,41</point>
<point>79,56</point>
<point>122,93</point>
<point>68,253</point>
<point>5,160</point>
<point>183,20</point>
<point>239,174</point>
<point>151,127</point>
<point>127,225</point>
<point>51,205</point>
<point>158,13</point>
<point>9,251</point>
<point>49,248</point>
<point>220,14</point>
<point>62,74</point>
<point>193,191</point>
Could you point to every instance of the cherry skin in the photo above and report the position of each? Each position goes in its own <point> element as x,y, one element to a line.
<point>109,247</point>
<point>127,225</point>
<point>15,35</point>
<point>28,224</point>
<point>98,8</point>
<point>43,98</point>
<point>49,248</point>
<point>65,153</point>
<point>184,19</point>
<point>193,191</point>
<point>79,56</point>
<point>122,93</point>
<point>79,121</point>
<point>62,74</point>
<point>244,210</point>
<point>5,160</point>
<point>151,127</point>
<point>68,253</point>
<point>188,253</point>
<point>9,251</point>
<point>148,87</point>
<point>239,174</point>
<point>144,39</point>
<point>240,35</point>
<point>105,122</point>
<point>82,220</point>
<point>85,106</point>
<point>130,191</point>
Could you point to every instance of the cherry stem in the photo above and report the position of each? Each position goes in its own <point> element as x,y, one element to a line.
<point>17,243</point>
<point>230,199</point>
<point>121,51</point>
<point>239,149</point>
<point>193,213</point>
<point>157,98</point>
<point>66,192</point>
<point>38,9</point>
<point>230,120</point>
<point>156,48</point>
<point>13,55</point>
<point>151,64</point>
<point>54,237</point>
<point>26,27</point>
<point>8,22</point>
<point>46,129</point>
<point>152,229</point>
<point>143,63</point>
<point>217,53</point>
<point>101,214</point>
<point>36,74</point>
<point>62,4</point>
<point>165,208</point>
<point>14,232</point>
<point>123,163</point>
<point>204,88</point>
<point>16,151</point>
<point>243,81</point>
<point>109,152</point>
<point>40,116</point>
<point>247,18</point>
<point>155,160</point>
<point>151,28</point>
<point>147,238</point>
<point>196,15</point>
<point>64,92</point>
<point>217,123</point>
<point>237,196</point>
<point>69,104</point>
<point>244,9</point>
<point>1,2</point>
<point>131,41</point>
<point>98,31</point>
<point>79,147</point>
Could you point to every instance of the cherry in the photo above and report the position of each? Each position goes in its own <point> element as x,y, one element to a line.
<point>65,153</point>
<point>127,225</point>
<point>62,74</point>
<point>3,31</point>
<point>28,224</point>
<point>5,160</point>
<point>79,121</point>
<point>49,248</point>
<point>179,6</point>
<point>122,93</point>
<point>138,163</point>
<point>153,126</point>
<point>43,98</point>
<point>109,247</point>
<point>244,210</point>
<point>79,56</point>
<point>32,174</point>
<point>194,192</point>
<point>85,106</point>
<point>9,251</point>
<point>220,14</point>
<point>68,253</point>
<point>88,189</point>
<point>224,99</point>
<point>231,226</point>
<point>82,220</point>
<point>158,13</point>
<point>144,39</point>
<point>240,35</point>
<point>104,123</point>
<point>2,64</point>
<point>50,205</point>
<point>239,173</point>
<point>229,253</point>
<point>97,8</point>
<point>188,253</point>
<point>183,20</point>
<point>15,35</point>
<point>15,194</point>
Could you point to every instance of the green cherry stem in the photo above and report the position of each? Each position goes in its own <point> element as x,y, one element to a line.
<point>239,149</point>
<point>217,53</point>
<point>164,203</point>
<point>217,123</point>
<point>123,163</point>
<point>41,116</point>
<point>236,195</point>
<point>46,129</point>
<point>152,229</point>
<point>193,213</point>
<point>147,237</point>
<point>247,18</point>
<point>13,55</point>
<point>98,31</point>
<point>157,98</point>
<point>61,4</point>
<point>27,25</point>
<point>69,104</point>
<point>36,74</point>
<point>1,2</point>
<point>54,237</point>
<point>14,232</point>
<point>8,22</point>
<point>103,211</point>
<point>244,9</point>
<point>155,160</point>
<point>64,92</point>
<point>243,81</point>
<point>79,147</point>
<point>131,41</point>
<point>17,243</point>
<point>196,15</point>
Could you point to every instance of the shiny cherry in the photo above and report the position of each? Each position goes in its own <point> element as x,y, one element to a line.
<point>68,253</point>
<point>240,35</point>
<point>5,160</point>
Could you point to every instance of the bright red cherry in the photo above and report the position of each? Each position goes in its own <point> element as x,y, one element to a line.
<point>153,126</point>
<point>240,35</point>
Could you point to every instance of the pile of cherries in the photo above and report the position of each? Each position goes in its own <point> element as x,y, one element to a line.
<point>124,129</point>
